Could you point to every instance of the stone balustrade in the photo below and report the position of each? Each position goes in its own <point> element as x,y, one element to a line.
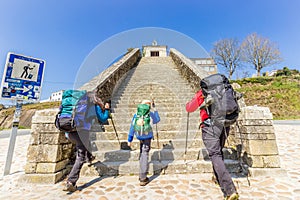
<point>49,151</point>
<point>257,139</point>
<point>188,69</point>
<point>106,82</point>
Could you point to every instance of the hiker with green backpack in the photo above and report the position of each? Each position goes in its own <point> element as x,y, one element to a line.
<point>142,129</point>
<point>78,111</point>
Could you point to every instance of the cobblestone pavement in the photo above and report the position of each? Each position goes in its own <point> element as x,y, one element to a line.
<point>181,186</point>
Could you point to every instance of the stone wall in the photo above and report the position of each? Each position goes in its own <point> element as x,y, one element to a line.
<point>188,69</point>
<point>105,82</point>
<point>48,152</point>
<point>257,139</point>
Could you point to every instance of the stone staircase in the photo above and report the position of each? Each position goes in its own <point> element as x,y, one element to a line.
<point>154,78</point>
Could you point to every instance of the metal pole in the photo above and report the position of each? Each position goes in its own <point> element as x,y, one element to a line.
<point>13,136</point>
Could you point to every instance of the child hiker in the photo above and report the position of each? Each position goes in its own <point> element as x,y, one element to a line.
<point>142,129</point>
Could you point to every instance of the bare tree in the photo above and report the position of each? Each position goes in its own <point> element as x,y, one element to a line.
<point>260,52</point>
<point>227,53</point>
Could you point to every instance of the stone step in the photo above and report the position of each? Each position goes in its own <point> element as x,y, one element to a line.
<point>112,145</point>
<point>161,154</point>
<point>124,125</point>
<point>121,114</point>
<point>159,98</point>
<point>160,127</point>
<point>149,84</point>
<point>165,118</point>
<point>192,134</point>
<point>160,103</point>
<point>155,86</point>
<point>165,100</point>
<point>165,114</point>
<point>156,167</point>
<point>180,92</point>
<point>160,106</point>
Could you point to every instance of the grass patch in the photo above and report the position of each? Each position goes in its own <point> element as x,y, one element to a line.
<point>280,94</point>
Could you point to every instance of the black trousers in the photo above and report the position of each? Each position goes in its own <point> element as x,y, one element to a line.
<point>214,140</point>
<point>82,143</point>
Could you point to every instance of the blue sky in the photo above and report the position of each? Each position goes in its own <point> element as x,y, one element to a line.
<point>65,33</point>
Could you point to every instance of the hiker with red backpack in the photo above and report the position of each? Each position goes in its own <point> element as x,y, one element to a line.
<point>218,110</point>
<point>84,110</point>
<point>142,129</point>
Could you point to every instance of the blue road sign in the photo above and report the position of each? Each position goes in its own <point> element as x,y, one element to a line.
<point>22,77</point>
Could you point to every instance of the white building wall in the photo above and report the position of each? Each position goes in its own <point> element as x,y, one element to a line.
<point>161,49</point>
<point>56,96</point>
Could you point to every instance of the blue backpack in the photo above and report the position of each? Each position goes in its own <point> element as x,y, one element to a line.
<point>72,113</point>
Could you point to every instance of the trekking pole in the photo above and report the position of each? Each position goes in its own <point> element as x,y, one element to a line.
<point>186,136</point>
<point>112,121</point>
<point>157,140</point>
<point>159,152</point>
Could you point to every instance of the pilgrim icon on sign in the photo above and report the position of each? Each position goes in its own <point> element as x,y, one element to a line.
<point>25,73</point>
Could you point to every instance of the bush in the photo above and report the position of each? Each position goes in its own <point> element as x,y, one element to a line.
<point>284,72</point>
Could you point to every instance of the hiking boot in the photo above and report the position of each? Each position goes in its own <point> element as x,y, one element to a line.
<point>214,180</point>
<point>90,159</point>
<point>234,196</point>
<point>144,182</point>
<point>70,187</point>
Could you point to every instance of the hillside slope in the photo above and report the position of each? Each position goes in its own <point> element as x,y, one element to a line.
<point>280,94</point>
<point>7,114</point>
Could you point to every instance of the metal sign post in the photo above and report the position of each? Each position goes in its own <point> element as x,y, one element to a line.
<point>13,136</point>
<point>22,81</point>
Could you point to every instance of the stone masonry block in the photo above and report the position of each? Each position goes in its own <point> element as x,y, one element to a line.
<point>255,122</point>
<point>258,172</point>
<point>67,149</point>
<point>253,161</point>
<point>45,116</point>
<point>262,161</point>
<point>255,112</point>
<point>58,138</point>
<point>43,178</point>
<point>257,136</point>
<point>44,138</point>
<point>271,161</point>
<point>44,128</point>
<point>45,168</point>
<point>43,119</point>
<point>257,129</point>
<point>44,153</point>
<point>34,139</point>
<point>261,147</point>
<point>30,168</point>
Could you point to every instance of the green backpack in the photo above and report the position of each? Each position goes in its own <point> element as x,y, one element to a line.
<point>141,123</point>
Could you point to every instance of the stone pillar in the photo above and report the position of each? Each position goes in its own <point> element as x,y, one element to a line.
<point>259,148</point>
<point>48,152</point>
